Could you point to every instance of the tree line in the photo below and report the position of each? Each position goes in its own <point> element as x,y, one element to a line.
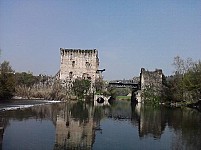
<point>183,86</point>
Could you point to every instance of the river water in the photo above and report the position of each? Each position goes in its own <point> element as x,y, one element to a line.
<point>43,125</point>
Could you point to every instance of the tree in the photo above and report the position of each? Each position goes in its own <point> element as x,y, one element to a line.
<point>150,94</point>
<point>56,92</point>
<point>81,87</point>
<point>181,67</point>
<point>192,81</point>
<point>123,91</point>
<point>7,81</point>
<point>25,82</point>
<point>26,79</point>
<point>99,84</point>
<point>112,92</point>
<point>186,83</point>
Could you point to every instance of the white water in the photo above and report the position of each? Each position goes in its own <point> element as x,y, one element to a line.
<point>23,104</point>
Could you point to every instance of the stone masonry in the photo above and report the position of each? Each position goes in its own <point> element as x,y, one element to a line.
<point>151,78</point>
<point>77,63</point>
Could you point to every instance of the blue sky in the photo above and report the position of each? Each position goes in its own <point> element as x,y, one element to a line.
<point>129,34</point>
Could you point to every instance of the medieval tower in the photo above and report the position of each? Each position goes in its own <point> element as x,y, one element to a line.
<point>77,63</point>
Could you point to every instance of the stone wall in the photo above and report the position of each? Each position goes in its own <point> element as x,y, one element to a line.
<point>151,78</point>
<point>77,63</point>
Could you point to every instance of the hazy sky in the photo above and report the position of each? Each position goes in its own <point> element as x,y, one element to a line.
<point>129,34</point>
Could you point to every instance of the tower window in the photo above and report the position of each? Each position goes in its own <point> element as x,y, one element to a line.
<point>73,63</point>
<point>71,56</point>
<point>88,65</point>
<point>70,75</point>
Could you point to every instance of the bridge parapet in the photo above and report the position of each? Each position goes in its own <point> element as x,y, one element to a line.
<point>124,85</point>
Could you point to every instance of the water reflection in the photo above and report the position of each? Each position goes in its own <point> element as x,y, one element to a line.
<point>184,125</point>
<point>31,128</point>
<point>79,125</point>
<point>1,130</point>
<point>75,127</point>
<point>151,121</point>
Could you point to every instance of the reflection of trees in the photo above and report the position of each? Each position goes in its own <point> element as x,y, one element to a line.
<point>37,112</point>
<point>77,122</point>
<point>186,124</point>
<point>191,129</point>
<point>119,110</point>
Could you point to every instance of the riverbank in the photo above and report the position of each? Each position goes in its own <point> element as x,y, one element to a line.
<point>196,105</point>
<point>123,97</point>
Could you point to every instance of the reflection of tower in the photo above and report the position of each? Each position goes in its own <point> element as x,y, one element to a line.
<point>150,122</point>
<point>135,114</point>
<point>73,131</point>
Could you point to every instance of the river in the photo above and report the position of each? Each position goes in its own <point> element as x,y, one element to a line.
<point>41,125</point>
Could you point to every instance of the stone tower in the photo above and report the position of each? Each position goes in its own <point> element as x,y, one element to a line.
<point>77,63</point>
<point>151,79</point>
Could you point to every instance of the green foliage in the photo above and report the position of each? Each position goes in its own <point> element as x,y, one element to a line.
<point>25,79</point>
<point>114,92</point>
<point>192,81</point>
<point>7,82</point>
<point>99,85</point>
<point>186,83</point>
<point>123,97</point>
<point>81,87</point>
<point>151,95</point>
<point>166,94</point>
<point>123,91</point>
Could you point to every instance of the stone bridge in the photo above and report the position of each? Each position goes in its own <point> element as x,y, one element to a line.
<point>100,100</point>
<point>123,85</point>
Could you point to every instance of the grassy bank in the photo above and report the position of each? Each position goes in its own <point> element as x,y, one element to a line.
<point>123,97</point>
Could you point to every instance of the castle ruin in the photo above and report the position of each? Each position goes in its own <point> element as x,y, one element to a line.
<point>77,63</point>
<point>151,79</point>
